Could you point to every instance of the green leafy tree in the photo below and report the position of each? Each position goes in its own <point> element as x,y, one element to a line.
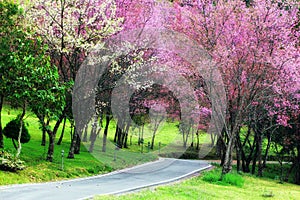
<point>11,130</point>
<point>9,35</point>
<point>28,77</point>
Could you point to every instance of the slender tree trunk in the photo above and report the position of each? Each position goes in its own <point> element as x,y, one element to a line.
<point>62,132</point>
<point>108,118</point>
<point>44,132</point>
<point>286,178</point>
<point>238,159</point>
<point>139,140</point>
<point>52,135</point>
<point>153,136</point>
<point>142,138</point>
<point>184,141</point>
<point>213,138</point>
<point>14,143</point>
<point>152,141</point>
<point>126,135</point>
<point>297,166</point>
<point>198,141</point>
<point>116,134</point>
<point>243,158</point>
<point>20,131</point>
<point>19,138</point>
<point>251,157</point>
<point>221,149</point>
<point>84,139</point>
<point>260,167</point>
<point>255,154</point>
<point>93,135</point>
<point>119,137</point>
<point>71,133</point>
<point>238,152</point>
<point>73,144</point>
<point>263,166</point>
<point>77,145</point>
<point>43,138</point>
<point>51,147</point>
<point>227,166</point>
<point>1,134</point>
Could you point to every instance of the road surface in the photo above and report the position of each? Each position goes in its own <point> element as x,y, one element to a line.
<point>159,172</point>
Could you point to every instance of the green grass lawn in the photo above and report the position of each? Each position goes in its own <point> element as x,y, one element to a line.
<point>34,155</point>
<point>244,187</point>
<point>84,164</point>
<point>87,164</point>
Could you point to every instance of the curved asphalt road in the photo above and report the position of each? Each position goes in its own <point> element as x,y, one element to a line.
<point>150,174</point>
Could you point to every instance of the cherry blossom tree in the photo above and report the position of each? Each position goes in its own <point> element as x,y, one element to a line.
<point>255,48</point>
<point>71,29</point>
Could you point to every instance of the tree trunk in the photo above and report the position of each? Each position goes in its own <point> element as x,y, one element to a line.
<point>255,154</point>
<point>198,140</point>
<point>183,138</point>
<point>84,139</point>
<point>250,157</point>
<point>116,134</point>
<point>72,146</point>
<point>266,155</point>
<point>126,135</point>
<point>62,132</point>
<point>14,143</point>
<point>153,137</point>
<point>52,135</point>
<point>108,118</point>
<point>43,138</point>
<point>119,137</point>
<point>77,145</point>
<point>50,147</point>
<point>227,166</point>
<point>44,130</point>
<point>238,152</point>
<point>20,131</point>
<point>93,135</point>
<point>71,133</point>
<point>260,167</point>
<point>221,149</point>
<point>139,139</point>
<point>297,167</point>
<point>1,134</point>
<point>286,178</point>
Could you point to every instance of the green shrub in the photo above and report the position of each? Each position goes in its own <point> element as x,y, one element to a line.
<point>12,129</point>
<point>233,179</point>
<point>214,176</point>
<point>10,163</point>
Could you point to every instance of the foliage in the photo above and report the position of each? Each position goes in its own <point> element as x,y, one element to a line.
<point>10,163</point>
<point>214,176</point>
<point>72,28</point>
<point>28,76</point>
<point>256,48</point>
<point>11,130</point>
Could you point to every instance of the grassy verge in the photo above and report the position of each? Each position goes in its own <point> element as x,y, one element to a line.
<point>208,186</point>
<point>85,164</point>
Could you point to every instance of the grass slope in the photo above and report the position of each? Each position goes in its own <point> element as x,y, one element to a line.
<point>200,187</point>
<point>84,164</point>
